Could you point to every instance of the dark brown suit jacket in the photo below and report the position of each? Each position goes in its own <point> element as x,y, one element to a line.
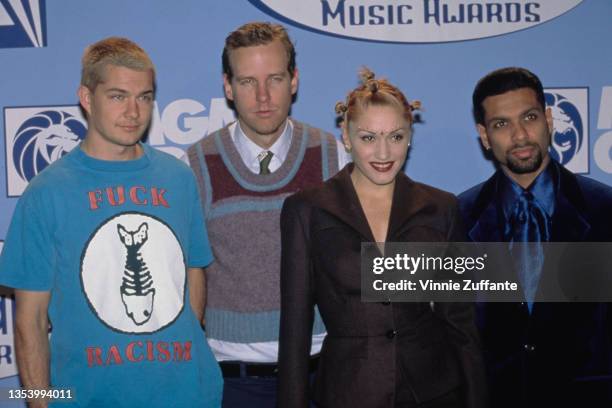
<point>370,347</point>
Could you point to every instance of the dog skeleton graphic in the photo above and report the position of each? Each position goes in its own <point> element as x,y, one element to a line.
<point>137,291</point>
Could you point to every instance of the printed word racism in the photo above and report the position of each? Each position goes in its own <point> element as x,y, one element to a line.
<point>138,352</point>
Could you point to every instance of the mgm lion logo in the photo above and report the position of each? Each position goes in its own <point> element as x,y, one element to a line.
<point>44,138</point>
<point>568,134</point>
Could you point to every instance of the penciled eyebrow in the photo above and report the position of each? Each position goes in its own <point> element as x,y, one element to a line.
<point>374,133</point>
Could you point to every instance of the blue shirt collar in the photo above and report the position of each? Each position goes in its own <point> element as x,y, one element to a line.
<point>113,165</point>
<point>544,190</point>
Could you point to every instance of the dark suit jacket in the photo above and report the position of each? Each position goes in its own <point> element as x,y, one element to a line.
<point>369,346</point>
<point>559,355</point>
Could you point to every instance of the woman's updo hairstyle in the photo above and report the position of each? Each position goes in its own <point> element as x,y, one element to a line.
<point>373,91</point>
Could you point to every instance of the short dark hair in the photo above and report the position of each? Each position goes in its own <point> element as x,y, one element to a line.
<point>252,34</point>
<point>501,81</point>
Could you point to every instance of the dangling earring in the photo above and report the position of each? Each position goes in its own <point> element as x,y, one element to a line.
<point>347,148</point>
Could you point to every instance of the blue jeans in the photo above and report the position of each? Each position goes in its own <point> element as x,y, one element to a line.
<point>251,392</point>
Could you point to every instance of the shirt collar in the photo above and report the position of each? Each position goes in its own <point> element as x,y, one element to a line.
<point>249,150</point>
<point>543,188</point>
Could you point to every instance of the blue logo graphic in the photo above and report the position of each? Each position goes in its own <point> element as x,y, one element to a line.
<point>44,138</point>
<point>568,134</point>
<point>23,23</point>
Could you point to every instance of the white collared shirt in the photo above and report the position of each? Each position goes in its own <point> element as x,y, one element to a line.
<point>249,151</point>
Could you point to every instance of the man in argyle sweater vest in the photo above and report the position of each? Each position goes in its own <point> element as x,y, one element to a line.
<point>244,172</point>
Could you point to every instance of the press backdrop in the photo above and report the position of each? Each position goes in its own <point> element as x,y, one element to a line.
<point>434,50</point>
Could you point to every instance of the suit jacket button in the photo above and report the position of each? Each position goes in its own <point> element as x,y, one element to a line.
<point>391,334</point>
<point>529,347</point>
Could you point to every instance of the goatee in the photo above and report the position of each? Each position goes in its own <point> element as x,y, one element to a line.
<point>533,163</point>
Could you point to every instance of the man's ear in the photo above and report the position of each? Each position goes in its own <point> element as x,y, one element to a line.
<point>85,97</point>
<point>295,81</point>
<point>484,138</point>
<point>227,87</point>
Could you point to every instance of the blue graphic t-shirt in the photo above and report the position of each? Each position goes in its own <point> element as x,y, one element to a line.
<point>112,241</point>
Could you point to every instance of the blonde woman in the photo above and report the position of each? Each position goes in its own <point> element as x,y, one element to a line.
<point>375,354</point>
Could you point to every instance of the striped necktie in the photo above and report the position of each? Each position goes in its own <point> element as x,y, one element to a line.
<point>264,162</point>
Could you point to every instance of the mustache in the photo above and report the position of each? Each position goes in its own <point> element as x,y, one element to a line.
<point>522,145</point>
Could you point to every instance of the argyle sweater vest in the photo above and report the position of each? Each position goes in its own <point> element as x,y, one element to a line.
<point>242,212</point>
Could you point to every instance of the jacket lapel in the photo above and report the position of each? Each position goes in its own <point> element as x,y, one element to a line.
<point>485,225</point>
<point>407,202</point>
<point>568,224</point>
<point>338,197</point>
